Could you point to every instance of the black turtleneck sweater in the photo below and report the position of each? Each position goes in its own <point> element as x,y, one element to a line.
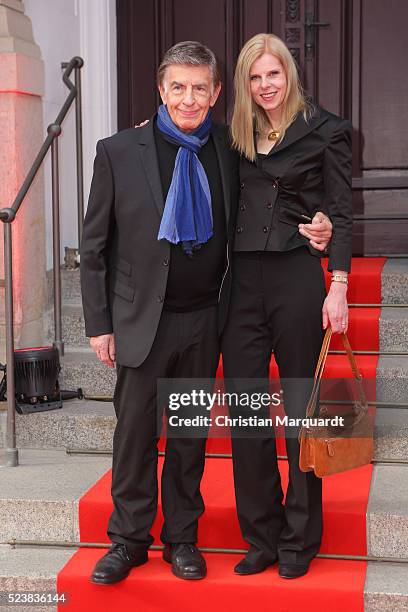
<point>194,283</point>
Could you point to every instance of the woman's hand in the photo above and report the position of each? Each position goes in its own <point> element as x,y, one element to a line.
<point>318,232</point>
<point>138,125</point>
<point>335,308</point>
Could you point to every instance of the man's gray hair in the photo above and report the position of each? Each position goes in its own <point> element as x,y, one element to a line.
<point>192,53</point>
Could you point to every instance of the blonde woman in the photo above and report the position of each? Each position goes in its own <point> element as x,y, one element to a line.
<point>295,159</point>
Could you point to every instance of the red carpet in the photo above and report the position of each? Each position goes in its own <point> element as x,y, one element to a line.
<point>364,280</point>
<point>330,584</point>
<point>345,501</point>
<point>337,365</point>
<point>364,288</point>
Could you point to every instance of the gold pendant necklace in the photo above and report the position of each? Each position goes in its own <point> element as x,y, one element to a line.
<point>274,135</point>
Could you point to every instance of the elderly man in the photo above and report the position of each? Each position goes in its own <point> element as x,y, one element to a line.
<point>160,220</point>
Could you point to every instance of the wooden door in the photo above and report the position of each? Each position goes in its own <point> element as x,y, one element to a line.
<point>351,57</point>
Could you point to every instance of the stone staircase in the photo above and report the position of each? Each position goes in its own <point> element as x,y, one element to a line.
<point>39,499</point>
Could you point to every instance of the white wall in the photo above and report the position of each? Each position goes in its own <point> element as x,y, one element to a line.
<point>63,29</point>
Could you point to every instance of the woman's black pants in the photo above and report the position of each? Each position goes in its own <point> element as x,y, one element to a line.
<point>276,305</point>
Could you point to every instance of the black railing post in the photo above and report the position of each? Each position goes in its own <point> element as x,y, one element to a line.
<point>79,151</point>
<point>11,450</point>
<point>55,129</point>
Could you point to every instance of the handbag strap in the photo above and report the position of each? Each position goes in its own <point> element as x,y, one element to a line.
<point>320,368</point>
<point>324,351</point>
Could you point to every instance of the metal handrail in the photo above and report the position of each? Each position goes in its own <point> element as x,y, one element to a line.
<point>378,305</point>
<point>8,215</point>
<point>389,217</point>
<point>54,129</point>
<point>380,353</point>
<point>79,153</point>
<point>205,549</point>
<point>108,453</point>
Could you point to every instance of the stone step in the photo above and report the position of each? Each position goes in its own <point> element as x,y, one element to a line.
<point>73,325</point>
<point>79,424</point>
<point>391,434</point>
<point>36,569</point>
<point>394,290</point>
<point>40,500</point>
<point>394,329</point>
<point>387,512</point>
<point>386,587</point>
<point>81,368</point>
<point>394,281</point>
<point>31,569</point>
<point>89,425</point>
<point>392,378</point>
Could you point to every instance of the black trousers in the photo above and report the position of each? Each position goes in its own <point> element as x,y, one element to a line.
<point>186,346</point>
<point>276,305</point>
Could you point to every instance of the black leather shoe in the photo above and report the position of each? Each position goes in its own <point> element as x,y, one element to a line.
<point>254,562</point>
<point>186,561</point>
<point>292,571</point>
<point>116,564</point>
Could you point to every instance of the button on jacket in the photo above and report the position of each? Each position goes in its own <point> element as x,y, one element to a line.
<point>309,170</point>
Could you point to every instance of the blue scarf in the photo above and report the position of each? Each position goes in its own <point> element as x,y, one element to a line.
<point>187,216</point>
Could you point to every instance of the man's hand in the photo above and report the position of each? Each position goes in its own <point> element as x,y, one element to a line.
<point>104,347</point>
<point>318,232</point>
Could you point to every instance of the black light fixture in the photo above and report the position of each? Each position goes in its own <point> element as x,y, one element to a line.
<point>36,373</point>
<point>36,383</point>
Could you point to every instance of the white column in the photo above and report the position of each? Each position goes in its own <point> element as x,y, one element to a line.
<point>21,135</point>
<point>99,75</point>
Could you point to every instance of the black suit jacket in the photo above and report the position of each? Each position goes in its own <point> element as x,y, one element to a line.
<point>309,170</point>
<point>124,267</point>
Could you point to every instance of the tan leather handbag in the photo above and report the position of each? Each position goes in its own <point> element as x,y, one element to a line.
<point>328,450</point>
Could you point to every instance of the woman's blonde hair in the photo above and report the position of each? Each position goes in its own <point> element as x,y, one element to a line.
<point>247,114</point>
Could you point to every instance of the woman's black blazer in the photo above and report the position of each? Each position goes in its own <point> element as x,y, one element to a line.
<point>309,170</point>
